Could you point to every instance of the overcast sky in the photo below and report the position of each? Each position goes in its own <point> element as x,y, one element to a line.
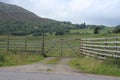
<point>104,12</point>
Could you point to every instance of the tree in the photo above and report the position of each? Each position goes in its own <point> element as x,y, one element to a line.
<point>96,30</point>
<point>59,33</point>
<point>80,26</point>
<point>117,29</point>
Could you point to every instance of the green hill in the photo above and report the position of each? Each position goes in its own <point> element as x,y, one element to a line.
<point>13,12</point>
<point>16,20</point>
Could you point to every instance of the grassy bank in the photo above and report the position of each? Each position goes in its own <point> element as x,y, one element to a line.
<point>10,59</point>
<point>91,65</point>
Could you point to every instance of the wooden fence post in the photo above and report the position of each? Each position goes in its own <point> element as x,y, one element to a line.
<point>8,42</point>
<point>61,47</point>
<point>116,43</point>
<point>80,46</point>
<point>25,43</point>
<point>106,41</point>
<point>43,46</point>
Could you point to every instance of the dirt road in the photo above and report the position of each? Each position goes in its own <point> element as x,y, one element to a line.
<point>41,71</point>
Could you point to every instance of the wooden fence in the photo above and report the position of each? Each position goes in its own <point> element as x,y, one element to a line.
<point>101,47</point>
<point>51,46</point>
<point>17,43</point>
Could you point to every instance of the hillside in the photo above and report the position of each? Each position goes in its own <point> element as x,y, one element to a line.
<point>17,20</point>
<point>13,12</point>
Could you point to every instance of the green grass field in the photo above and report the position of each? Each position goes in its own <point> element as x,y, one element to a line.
<point>68,46</point>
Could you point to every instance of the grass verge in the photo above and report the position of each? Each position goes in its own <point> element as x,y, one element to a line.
<point>10,59</point>
<point>91,65</point>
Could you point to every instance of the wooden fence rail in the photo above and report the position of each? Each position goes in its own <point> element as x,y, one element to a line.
<point>19,43</point>
<point>101,47</point>
<point>51,46</point>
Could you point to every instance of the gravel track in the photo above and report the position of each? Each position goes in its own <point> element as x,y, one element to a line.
<point>41,71</point>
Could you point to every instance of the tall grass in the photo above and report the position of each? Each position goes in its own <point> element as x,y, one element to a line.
<point>9,59</point>
<point>91,65</point>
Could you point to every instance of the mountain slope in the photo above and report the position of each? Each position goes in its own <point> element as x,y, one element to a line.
<point>13,12</point>
<point>15,20</point>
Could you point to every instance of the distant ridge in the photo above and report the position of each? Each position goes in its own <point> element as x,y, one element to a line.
<point>13,12</point>
<point>15,20</point>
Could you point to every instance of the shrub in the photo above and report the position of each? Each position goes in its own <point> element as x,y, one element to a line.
<point>117,29</point>
<point>96,30</point>
<point>59,33</point>
<point>2,58</point>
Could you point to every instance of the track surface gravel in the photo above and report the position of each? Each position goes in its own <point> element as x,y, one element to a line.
<point>41,71</point>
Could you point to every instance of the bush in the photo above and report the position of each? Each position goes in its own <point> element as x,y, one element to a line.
<point>117,29</point>
<point>59,33</point>
<point>2,58</point>
<point>96,30</point>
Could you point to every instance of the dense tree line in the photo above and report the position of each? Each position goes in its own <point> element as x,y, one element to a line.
<point>94,26</point>
<point>80,26</point>
<point>51,27</point>
<point>15,27</point>
<point>26,28</point>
